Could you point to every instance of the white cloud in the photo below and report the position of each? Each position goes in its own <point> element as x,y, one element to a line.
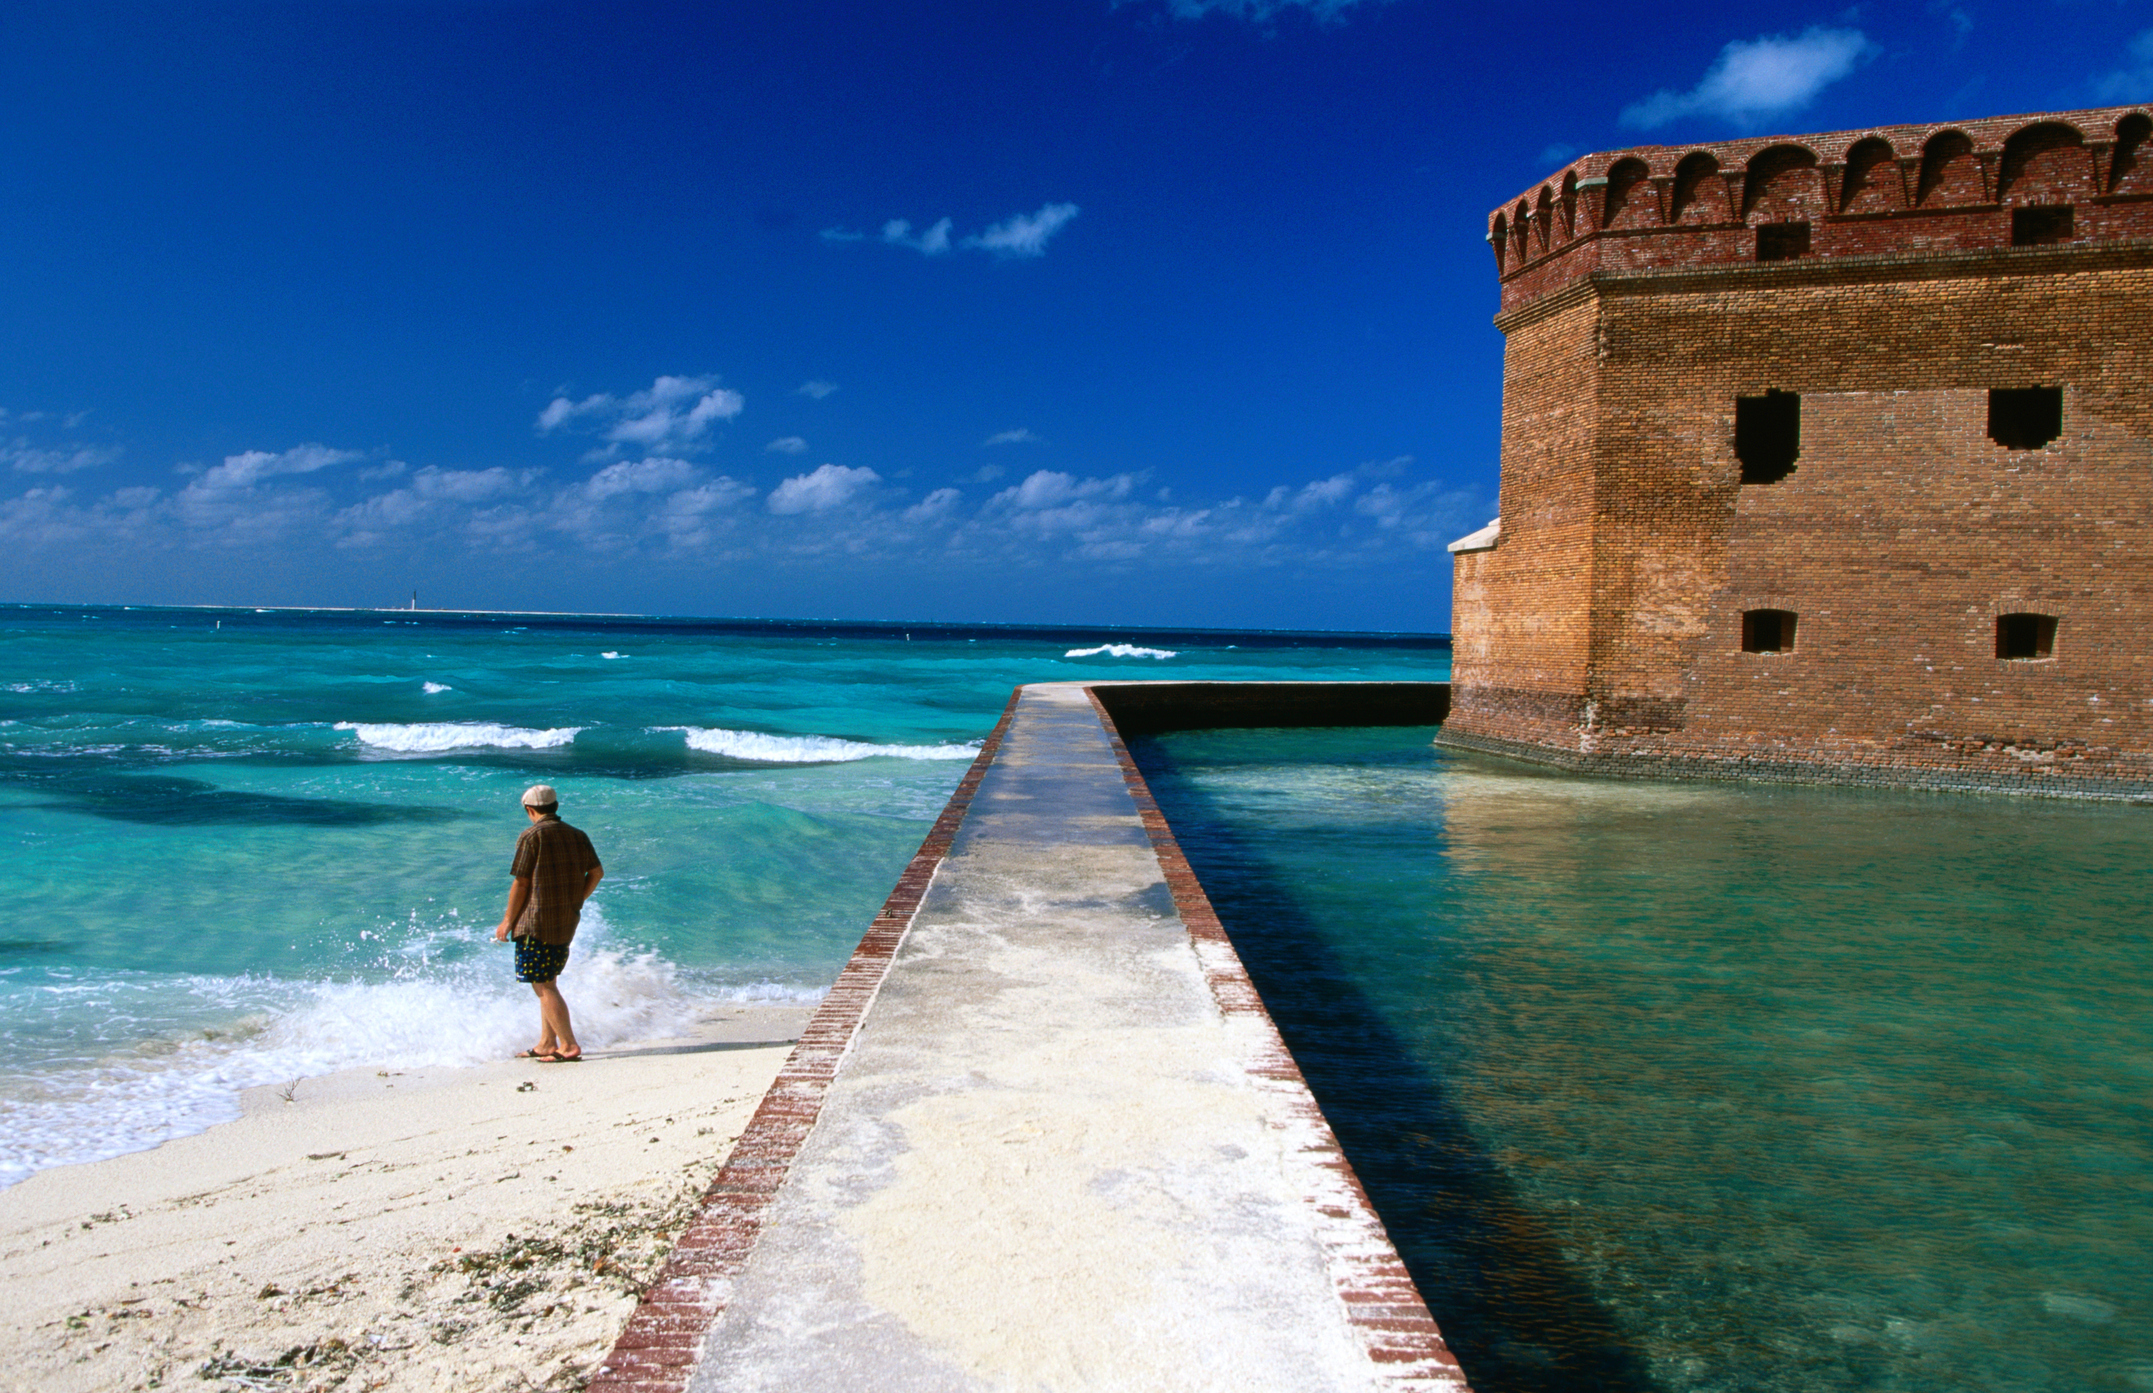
<point>689,519</point>
<point>25,458</point>
<point>1758,78</point>
<point>720,492</point>
<point>655,475</point>
<point>432,496</point>
<point>1025,234</point>
<point>1019,436</point>
<point>674,415</point>
<point>987,473</point>
<point>816,388</point>
<point>933,242</point>
<point>2134,81</point>
<point>366,521</point>
<point>1050,487</point>
<point>826,488</point>
<point>245,470</point>
<point>654,507</point>
<point>1022,235</point>
<point>1260,12</point>
<point>935,506</point>
<point>41,517</point>
<point>466,485</point>
<point>786,445</point>
<point>1323,493</point>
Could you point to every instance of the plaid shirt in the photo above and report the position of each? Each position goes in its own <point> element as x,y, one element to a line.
<point>554,857</point>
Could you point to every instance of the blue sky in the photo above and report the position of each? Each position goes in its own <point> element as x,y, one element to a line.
<point>1162,311</point>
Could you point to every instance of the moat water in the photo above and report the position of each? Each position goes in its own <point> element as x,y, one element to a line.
<point>1697,1087</point>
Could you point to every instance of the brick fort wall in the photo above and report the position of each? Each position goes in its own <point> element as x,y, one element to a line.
<point>1760,515</point>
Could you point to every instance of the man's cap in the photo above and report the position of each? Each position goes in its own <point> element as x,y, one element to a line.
<point>539,795</point>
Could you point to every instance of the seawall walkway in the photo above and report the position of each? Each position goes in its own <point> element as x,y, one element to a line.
<point>1041,1135</point>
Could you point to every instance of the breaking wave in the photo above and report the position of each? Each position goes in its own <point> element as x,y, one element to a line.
<point>184,1080</point>
<point>434,737</point>
<point>808,749</point>
<point>1121,650</point>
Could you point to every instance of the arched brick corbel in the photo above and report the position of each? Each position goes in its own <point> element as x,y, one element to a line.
<point>1909,178</point>
<point>1834,175</point>
<point>1737,180</point>
<point>1591,204</point>
<point>2103,155</point>
<point>1991,163</point>
<point>1663,190</point>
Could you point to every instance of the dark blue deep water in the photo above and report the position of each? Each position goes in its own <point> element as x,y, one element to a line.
<point>1702,1087</point>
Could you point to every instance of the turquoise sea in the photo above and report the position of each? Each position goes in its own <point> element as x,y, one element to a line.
<point>249,846</point>
<point>1695,1088</point>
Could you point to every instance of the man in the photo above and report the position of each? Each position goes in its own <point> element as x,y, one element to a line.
<point>554,873</point>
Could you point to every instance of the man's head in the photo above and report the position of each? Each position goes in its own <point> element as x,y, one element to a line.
<point>539,800</point>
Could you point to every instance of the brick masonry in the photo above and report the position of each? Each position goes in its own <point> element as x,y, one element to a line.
<point>1604,627</point>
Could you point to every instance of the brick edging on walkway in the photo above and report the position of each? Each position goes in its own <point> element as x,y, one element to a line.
<point>658,1350</point>
<point>1382,1304</point>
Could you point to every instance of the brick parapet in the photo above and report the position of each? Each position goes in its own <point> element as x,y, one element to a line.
<point>1893,189</point>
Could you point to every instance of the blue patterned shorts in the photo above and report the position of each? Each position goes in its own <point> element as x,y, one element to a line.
<point>539,962</point>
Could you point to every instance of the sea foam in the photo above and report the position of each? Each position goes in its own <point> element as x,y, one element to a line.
<point>1121,650</point>
<point>431,737</point>
<point>808,749</point>
<point>430,1015</point>
<point>433,687</point>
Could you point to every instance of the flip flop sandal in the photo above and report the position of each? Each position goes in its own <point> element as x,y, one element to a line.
<point>558,1058</point>
<point>540,1055</point>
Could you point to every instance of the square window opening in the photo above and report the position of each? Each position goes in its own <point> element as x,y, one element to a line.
<point>2025,636</point>
<point>2025,418</point>
<point>1782,241</point>
<point>2039,227</point>
<point>1768,435</point>
<point>1767,631</point>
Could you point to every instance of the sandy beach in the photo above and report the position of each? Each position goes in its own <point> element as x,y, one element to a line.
<point>481,1228</point>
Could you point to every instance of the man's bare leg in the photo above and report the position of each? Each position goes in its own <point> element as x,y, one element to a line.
<point>560,1037</point>
<point>546,1043</point>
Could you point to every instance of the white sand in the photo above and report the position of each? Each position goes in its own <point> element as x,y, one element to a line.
<point>482,1228</point>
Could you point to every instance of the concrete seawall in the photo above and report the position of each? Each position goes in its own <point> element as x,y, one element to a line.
<point>1042,1133</point>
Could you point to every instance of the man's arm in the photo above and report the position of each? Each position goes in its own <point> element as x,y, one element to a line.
<point>591,878</point>
<point>519,895</point>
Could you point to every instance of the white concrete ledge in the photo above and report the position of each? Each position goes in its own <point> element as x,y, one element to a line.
<point>1483,540</point>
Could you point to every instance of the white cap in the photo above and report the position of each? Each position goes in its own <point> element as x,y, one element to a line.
<point>539,795</point>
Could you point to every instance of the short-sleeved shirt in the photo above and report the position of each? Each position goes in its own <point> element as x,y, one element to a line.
<point>555,858</point>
